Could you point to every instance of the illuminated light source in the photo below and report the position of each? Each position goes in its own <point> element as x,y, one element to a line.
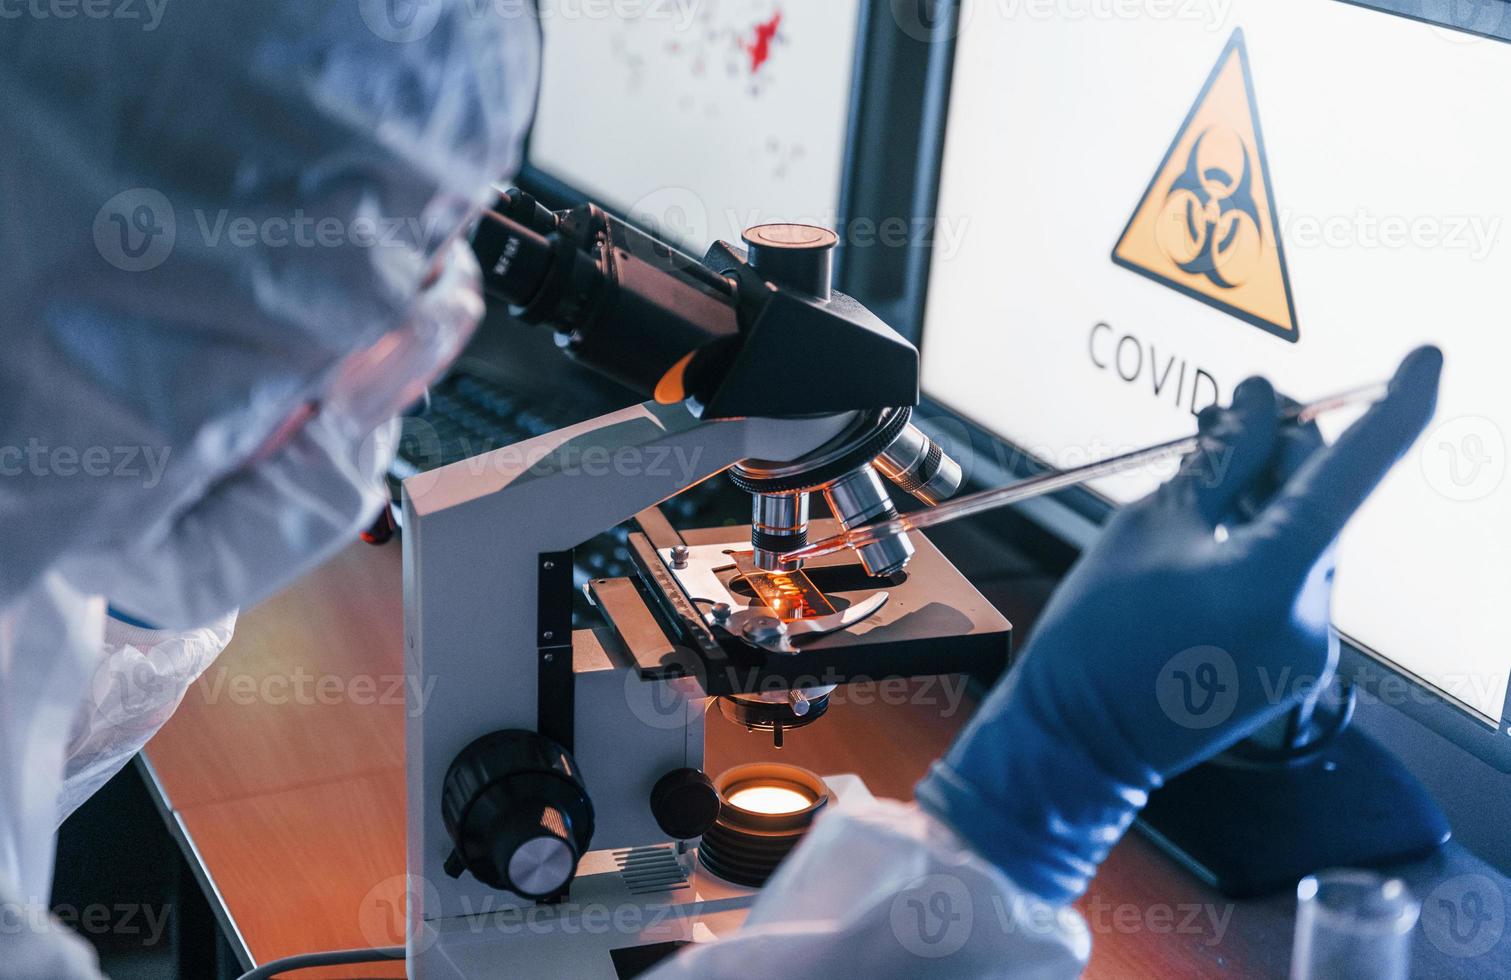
<point>769,799</point>
<point>765,809</point>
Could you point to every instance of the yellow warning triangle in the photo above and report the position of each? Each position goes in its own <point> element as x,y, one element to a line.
<point>1206,226</point>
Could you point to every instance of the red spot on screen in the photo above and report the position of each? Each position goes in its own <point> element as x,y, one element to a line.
<point>760,49</point>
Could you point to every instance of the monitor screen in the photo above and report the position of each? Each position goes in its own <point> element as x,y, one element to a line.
<point>699,120</point>
<point>1161,199</point>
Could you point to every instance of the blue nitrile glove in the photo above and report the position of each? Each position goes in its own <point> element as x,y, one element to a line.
<point>1167,641</point>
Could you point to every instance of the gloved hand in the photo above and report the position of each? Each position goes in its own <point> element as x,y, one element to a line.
<point>140,679</point>
<point>1166,643</point>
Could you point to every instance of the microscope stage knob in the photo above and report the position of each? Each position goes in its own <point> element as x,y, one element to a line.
<point>685,803</point>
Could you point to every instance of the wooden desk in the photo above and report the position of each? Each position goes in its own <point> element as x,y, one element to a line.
<point>284,774</point>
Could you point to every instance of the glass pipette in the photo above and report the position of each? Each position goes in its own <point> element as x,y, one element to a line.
<point>1037,486</point>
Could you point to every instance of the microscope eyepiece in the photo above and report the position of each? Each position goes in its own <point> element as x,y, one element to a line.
<point>516,258</point>
<point>620,301</point>
<point>712,333</point>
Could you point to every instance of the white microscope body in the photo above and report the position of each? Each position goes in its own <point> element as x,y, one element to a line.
<point>478,539</point>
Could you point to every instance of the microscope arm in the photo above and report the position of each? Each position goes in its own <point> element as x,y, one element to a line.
<point>483,566</point>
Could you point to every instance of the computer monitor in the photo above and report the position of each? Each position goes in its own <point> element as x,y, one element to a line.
<point>698,119</point>
<point>1157,203</point>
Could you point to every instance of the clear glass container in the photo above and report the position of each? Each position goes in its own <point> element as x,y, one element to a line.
<point>1353,925</point>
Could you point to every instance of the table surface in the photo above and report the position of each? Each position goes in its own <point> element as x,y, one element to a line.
<point>283,775</point>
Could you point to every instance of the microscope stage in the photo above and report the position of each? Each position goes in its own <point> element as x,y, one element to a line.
<point>933,622</point>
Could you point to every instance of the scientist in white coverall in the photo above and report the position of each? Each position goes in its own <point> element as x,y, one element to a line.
<point>233,247</point>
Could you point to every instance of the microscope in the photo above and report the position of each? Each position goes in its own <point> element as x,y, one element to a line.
<point>560,822</point>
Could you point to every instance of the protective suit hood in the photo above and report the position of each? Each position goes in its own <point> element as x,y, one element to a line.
<point>203,215</point>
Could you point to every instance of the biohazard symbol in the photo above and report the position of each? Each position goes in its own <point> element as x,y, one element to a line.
<point>1206,225</point>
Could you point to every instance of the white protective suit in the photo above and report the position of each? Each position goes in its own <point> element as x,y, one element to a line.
<point>232,237</point>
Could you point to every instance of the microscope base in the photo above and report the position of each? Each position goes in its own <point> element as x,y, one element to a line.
<point>1257,830</point>
<point>614,925</point>
<point>600,932</point>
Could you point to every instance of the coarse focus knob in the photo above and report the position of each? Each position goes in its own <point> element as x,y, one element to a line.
<point>518,814</point>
